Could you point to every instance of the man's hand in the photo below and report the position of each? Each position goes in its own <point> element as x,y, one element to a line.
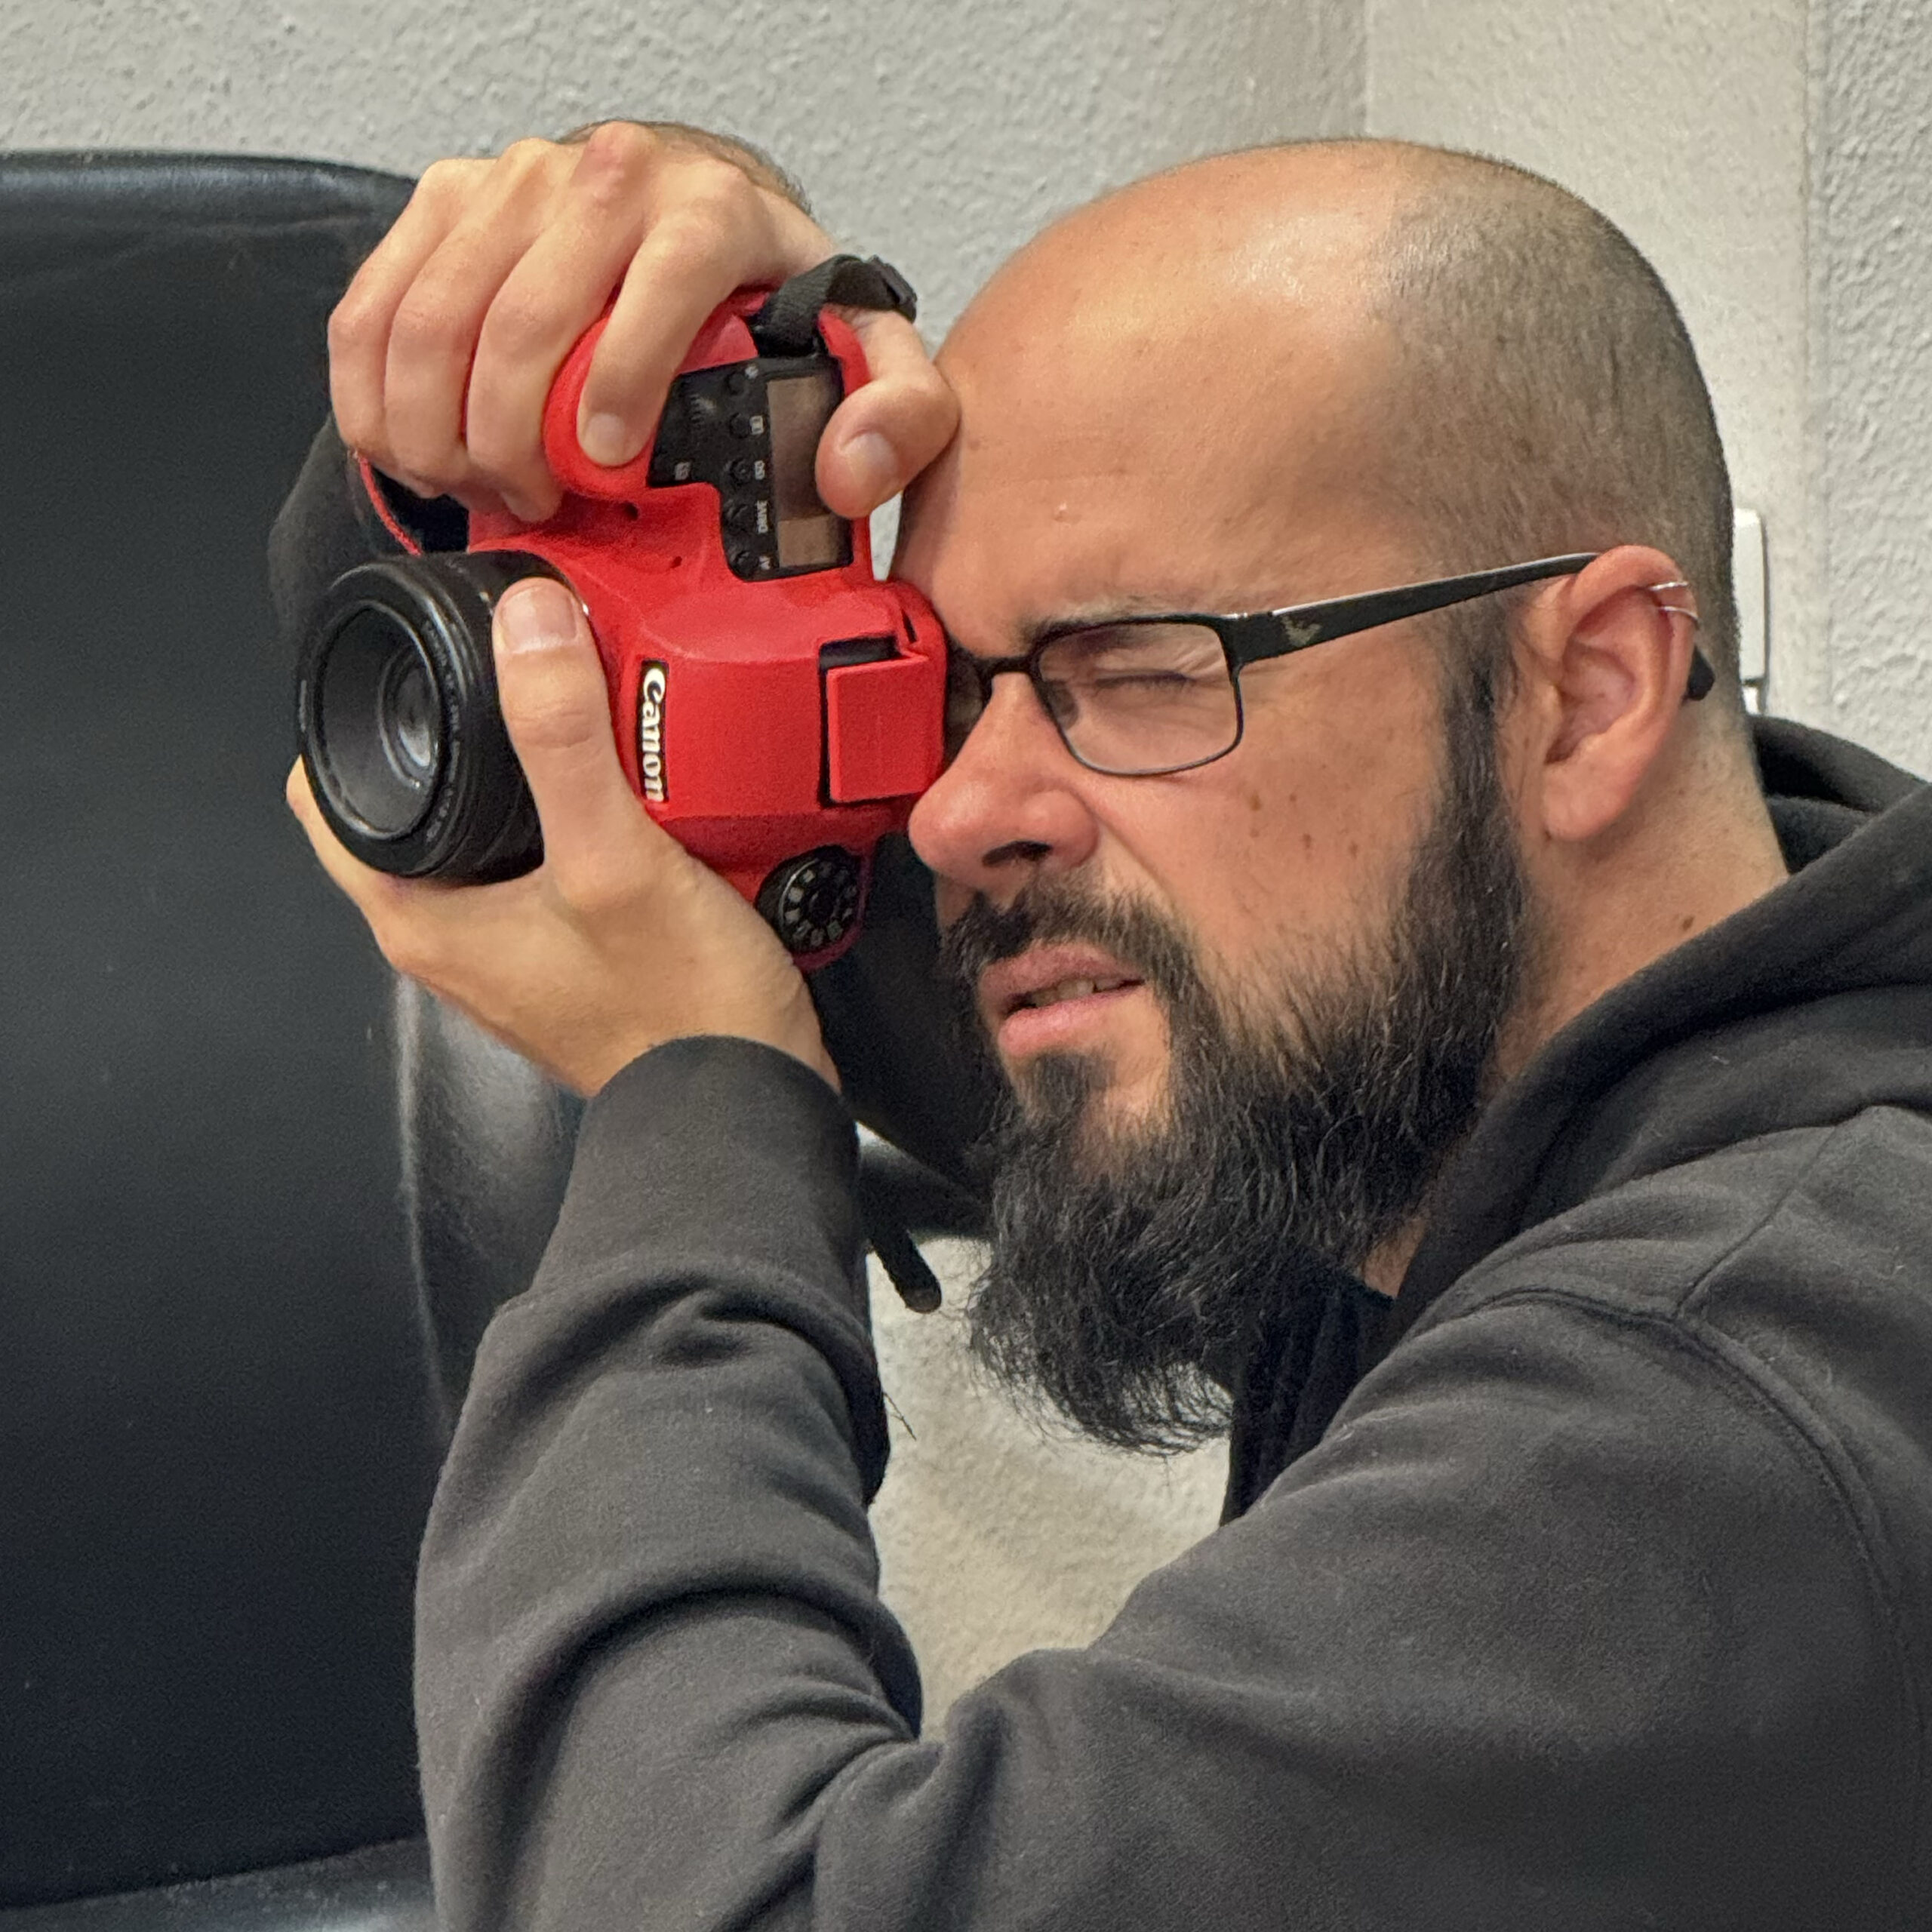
<point>620,939</point>
<point>444,348</point>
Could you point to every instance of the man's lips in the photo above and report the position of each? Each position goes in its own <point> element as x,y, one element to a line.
<point>1047,993</point>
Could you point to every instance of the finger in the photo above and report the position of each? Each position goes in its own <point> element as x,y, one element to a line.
<point>713,233</point>
<point>884,434</point>
<point>556,704</point>
<point>359,330</point>
<point>380,898</point>
<point>433,335</point>
<point>559,287</point>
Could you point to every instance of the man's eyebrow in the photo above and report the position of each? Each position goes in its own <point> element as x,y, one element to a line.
<point>1036,630</point>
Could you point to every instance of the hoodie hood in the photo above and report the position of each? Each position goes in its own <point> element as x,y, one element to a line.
<point>1810,1003</point>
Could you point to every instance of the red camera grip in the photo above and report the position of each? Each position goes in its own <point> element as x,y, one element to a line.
<point>725,337</point>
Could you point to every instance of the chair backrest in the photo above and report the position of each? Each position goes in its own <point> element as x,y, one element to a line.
<point>257,1200</point>
<point>220,1420</point>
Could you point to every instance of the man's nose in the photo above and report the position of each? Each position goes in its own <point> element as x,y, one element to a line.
<point>1011,802</point>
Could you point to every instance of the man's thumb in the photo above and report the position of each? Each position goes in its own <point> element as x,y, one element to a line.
<point>557,706</point>
<point>886,432</point>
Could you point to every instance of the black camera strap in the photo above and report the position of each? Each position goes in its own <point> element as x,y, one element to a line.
<point>888,1236</point>
<point>787,325</point>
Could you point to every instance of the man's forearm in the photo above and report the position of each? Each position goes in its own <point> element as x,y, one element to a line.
<point>648,1570</point>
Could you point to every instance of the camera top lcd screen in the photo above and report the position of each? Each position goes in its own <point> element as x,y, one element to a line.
<point>808,532</point>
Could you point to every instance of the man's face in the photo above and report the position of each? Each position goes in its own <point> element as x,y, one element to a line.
<point>1241,1010</point>
<point>1085,484</point>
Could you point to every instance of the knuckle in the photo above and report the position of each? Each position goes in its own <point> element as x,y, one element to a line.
<point>611,179</point>
<point>352,322</point>
<point>358,422</point>
<point>428,323</point>
<point>689,242</point>
<point>443,182</point>
<point>558,717</point>
<point>422,459</point>
<point>620,144</point>
<point>725,202</point>
<point>438,182</point>
<point>497,444</point>
<point>520,321</point>
<point>598,887</point>
<point>712,180</point>
<point>528,156</point>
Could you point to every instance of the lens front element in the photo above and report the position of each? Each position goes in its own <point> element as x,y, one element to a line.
<point>410,718</point>
<point>379,722</point>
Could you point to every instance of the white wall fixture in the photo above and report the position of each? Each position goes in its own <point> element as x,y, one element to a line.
<point>1747,576</point>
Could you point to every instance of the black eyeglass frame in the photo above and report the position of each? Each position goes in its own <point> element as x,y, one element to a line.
<point>1253,637</point>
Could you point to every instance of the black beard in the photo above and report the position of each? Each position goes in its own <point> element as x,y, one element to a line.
<point>1133,1272</point>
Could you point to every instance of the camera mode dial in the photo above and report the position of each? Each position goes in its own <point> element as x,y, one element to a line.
<point>812,902</point>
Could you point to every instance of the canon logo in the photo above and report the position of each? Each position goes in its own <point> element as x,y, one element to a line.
<point>651,732</point>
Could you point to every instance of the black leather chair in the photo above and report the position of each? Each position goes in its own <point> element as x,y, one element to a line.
<point>257,1200</point>
<point>220,1412</point>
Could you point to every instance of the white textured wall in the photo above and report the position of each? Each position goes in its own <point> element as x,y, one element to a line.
<point>1774,159</point>
<point>939,135</point>
<point>1685,124</point>
<point>1871,454</point>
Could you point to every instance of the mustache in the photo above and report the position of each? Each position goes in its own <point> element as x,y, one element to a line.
<point>1151,947</point>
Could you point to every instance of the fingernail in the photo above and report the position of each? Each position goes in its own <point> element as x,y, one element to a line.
<point>535,616</point>
<point>870,463</point>
<point>606,439</point>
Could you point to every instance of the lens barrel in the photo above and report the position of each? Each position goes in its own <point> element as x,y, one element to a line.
<point>398,720</point>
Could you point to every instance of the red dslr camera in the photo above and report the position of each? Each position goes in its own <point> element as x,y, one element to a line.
<point>776,709</point>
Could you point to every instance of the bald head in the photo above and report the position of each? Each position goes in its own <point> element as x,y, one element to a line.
<point>1459,343</point>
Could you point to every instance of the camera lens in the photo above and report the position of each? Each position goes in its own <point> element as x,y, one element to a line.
<point>397,716</point>
<point>379,722</point>
<point>410,717</point>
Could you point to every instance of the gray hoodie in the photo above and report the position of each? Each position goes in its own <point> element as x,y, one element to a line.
<point>1594,1590</point>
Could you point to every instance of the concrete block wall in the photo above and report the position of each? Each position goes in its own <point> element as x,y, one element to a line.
<point>1771,155</point>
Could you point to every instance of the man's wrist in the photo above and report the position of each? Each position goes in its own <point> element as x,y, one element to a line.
<point>681,1141</point>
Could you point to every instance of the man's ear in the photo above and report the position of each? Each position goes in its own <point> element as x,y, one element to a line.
<point>1610,659</point>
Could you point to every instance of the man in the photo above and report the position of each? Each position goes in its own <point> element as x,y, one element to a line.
<point>1416,1051</point>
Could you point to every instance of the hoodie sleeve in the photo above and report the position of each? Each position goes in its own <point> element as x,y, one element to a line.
<point>1495,1653</point>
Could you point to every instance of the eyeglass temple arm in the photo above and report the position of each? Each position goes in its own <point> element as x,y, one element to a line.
<point>1302,625</point>
<point>1298,627</point>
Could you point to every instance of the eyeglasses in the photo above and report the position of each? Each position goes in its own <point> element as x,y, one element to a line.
<point>1138,698</point>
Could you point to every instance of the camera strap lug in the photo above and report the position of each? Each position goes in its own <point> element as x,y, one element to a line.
<point>787,324</point>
